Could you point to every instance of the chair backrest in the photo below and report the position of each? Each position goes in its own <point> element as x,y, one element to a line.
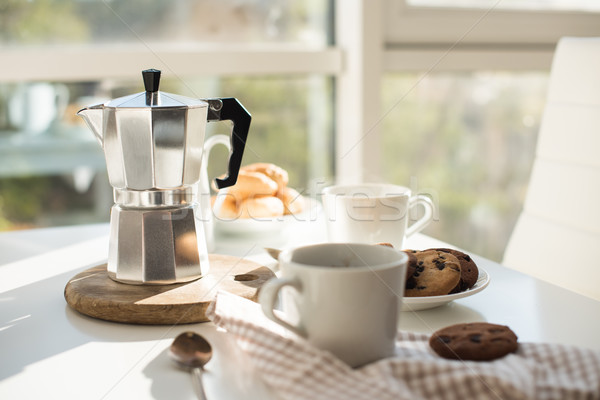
<point>558,231</point>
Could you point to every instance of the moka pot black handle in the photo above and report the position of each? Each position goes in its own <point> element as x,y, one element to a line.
<point>230,109</point>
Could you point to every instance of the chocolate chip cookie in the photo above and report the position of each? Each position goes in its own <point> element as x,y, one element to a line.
<point>479,341</point>
<point>411,268</point>
<point>436,273</point>
<point>469,273</point>
<point>410,265</point>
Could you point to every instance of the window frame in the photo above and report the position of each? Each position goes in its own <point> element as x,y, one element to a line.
<point>408,24</point>
<point>96,62</point>
<point>476,39</point>
<point>398,37</point>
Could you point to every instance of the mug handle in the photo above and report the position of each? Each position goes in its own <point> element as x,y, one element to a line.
<point>210,143</point>
<point>268,297</point>
<point>422,222</point>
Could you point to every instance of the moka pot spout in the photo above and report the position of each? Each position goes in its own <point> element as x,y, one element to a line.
<point>92,116</point>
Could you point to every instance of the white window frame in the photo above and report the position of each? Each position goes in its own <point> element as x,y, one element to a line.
<point>407,24</point>
<point>472,39</point>
<point>379,36</point>
<point>94,62</point>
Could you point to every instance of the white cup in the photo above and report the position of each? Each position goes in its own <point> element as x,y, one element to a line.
<point>34,106</point>
<point>373,213</point>
<point>341,297</point>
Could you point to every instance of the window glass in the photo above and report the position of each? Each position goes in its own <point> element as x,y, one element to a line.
<point>52,169</point>
<point>468,140</point>
<point>57,175</point>
<point>56,22</point>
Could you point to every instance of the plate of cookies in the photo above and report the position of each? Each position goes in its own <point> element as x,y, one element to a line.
<point>260,202</point>
<point>438,276</point>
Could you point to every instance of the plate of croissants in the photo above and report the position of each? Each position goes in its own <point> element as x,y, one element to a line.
<point>260,201</point>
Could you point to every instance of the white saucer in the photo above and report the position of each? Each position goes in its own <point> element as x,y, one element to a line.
<point>425,303</point>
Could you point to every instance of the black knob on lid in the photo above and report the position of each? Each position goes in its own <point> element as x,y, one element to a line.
<point>151,79</point>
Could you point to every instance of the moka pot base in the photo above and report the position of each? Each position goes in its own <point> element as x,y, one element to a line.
<point>156,238</point>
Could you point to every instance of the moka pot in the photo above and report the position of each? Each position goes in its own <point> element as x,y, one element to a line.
<point>153,146</point>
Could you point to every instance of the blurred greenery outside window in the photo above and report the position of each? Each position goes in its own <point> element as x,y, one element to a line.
<point>468,140</point>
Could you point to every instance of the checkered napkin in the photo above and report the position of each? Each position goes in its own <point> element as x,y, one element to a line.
<point>297,370</point>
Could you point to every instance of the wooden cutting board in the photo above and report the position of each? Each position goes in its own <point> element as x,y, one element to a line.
<point>93,293</point>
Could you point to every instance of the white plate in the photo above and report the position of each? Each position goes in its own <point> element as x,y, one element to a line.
<point>245,226</point>
<point>424,303</point>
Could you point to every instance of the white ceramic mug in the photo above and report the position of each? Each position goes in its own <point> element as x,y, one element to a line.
<point>373,213</point>
<point>34,106</point>
<point>341,297</point>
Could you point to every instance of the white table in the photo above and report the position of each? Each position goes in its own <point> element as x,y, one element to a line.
<point>49,351</point>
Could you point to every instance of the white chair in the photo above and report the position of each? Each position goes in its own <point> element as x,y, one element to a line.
<point>558,231</point>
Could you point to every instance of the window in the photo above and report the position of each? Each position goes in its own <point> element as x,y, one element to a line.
<point>177,22</point>
<point>357,99</point>
<point>462,91</point>
<point>274,56</point>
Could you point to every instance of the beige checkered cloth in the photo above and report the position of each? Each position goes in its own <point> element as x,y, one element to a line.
<point>297,370</point>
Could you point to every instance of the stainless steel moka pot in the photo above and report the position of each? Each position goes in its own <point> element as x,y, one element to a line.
<point>153,145</point>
